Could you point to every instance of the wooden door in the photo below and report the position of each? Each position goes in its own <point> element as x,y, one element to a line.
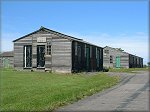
<point>40,55</point>
<point>118,62</point>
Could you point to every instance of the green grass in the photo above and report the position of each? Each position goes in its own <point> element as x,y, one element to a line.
<point>129,70</point>
<point>40,91</point>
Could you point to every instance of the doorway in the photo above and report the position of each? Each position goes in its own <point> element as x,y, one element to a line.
<point>27,56</point>
<point>40,56</point>
<point>118,62</point>
<point>6,63</point>
<point>87,58</point>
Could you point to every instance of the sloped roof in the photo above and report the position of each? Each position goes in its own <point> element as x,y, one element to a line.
<point>122,51</point>
<point>50,31</point>
<point>57,33</point>
<point>117,49</point>
<point>7,54</point>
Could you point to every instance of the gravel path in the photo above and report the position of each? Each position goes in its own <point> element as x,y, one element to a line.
<point>131,94</point>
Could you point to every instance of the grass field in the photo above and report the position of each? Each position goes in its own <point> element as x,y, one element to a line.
<point>130,70</point>
<point>40,91</point>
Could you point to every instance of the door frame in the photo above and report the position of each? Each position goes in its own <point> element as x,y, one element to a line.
<point>118,62</point>
<point>38,46</point>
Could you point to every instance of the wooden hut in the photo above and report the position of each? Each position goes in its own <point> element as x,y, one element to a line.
<point>48,50</point>
<point>117,58</point>
<point>7,59</point>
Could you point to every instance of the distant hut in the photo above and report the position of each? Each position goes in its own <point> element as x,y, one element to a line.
<point>118,58</point>
<point>7,59</point>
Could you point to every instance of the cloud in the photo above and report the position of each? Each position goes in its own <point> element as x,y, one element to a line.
<point>140,33</point>
<point>136,43</point>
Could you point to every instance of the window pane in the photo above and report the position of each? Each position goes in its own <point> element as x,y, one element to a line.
<point>106,51</point>
<point>111,59</point>
<point>48,48</point>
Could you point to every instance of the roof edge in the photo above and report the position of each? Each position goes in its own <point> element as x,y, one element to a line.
<point>26,35</point>
<point>52,31</point>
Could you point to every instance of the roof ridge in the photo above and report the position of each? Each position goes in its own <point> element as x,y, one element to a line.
<point>52,31</point>
<point>60,33</point>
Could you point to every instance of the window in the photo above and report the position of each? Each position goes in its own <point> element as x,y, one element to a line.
<point>111,59</point>
<point>27,56</point>
<point>106,51</point>
<point>48,48</point>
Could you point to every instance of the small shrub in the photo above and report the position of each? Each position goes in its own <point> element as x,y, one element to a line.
<point>105,69</point>
<point>144,66</point>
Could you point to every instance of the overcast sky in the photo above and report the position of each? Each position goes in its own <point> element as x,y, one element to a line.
<point>122,24</point>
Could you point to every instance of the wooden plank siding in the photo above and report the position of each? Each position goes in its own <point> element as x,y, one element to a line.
<point>6,62</point>
<point>112,52</point>
<point>135,61</point>
<point>34,48</point>
<point>126,60</point>
<point>18,51</point>
<point>61,52</point>
<point>78,66</point>
<point>63,57</point>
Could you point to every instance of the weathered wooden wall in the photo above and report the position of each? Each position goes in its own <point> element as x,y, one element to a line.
<point>4,60</point>
<point>59,60</point>
<point>18,51</point>
<point>124,58</point>
<point>135,61</point>
<point>48,37</point>
<point>61,54</point>
<point>83,65</point>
